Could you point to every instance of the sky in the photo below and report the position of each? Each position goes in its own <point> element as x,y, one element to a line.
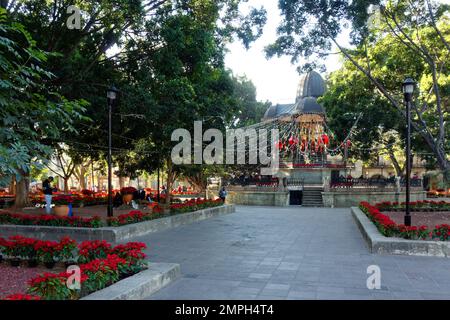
<point>275,79</point>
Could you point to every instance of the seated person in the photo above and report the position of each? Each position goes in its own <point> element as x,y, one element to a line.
<point>117,200</point>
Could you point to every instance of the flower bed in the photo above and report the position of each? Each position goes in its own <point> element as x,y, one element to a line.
<point>422,206</point>
<point>49,220</point>
<point>194,205</point>
<point>100,265</point>
<point>134,216</point>
<point>389,228</point>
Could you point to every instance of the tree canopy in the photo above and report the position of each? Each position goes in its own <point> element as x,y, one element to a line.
<point>411,40</point>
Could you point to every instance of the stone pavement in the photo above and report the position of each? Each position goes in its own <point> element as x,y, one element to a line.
<point>288,253</point>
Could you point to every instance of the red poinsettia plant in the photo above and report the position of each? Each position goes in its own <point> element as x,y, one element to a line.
<point>128,190</point>
<point>20,296</point>
<point>102,266</point>
<point>90,250</point>
<point>62,200</point>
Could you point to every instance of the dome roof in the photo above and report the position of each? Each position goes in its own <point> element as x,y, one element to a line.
<point>311,85</point>
<point>271,112</point>
<point>278,110</point>
<point>308,105</point>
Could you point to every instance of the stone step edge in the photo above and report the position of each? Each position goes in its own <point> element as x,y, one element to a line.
<point>141,285</point>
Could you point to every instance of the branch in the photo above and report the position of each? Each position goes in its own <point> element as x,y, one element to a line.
<point>433,22</point>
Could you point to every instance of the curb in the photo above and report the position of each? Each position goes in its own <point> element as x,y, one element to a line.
<point>141,285</point>
<point>115,234</point>
<point>380,244</point>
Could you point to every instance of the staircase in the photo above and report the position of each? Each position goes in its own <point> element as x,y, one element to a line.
<point>312,197</point>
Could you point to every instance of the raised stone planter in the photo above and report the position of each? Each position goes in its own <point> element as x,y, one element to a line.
<point>114,234</point>
<point>258,198</point>
<point>345,198</point>
<point>384,245</point>
<point>141,285</point>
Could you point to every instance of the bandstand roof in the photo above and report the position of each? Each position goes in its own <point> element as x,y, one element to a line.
<point>311,86</point>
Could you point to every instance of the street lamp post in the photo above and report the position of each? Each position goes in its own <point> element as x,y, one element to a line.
<point>408,90</point>
<point>111,95</point>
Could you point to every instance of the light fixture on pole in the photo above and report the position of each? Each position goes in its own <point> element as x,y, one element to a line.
<point>111,95</point>
<point>408,91</point>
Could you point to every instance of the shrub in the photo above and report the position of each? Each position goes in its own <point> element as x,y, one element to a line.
<point>128,190</point>
<point>49,220</point>
<point>61,200</point>
<point>442,232</point>
<point>91,250</point>
<point>47,251</point>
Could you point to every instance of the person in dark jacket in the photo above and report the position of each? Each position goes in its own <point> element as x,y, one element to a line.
<point>223,194</point>
<point>48,191</point>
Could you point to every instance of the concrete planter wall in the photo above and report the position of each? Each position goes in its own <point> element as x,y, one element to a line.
<point>141,285</point>
<point>351,197</point>
<point>114,234</point>
<point>385,245</point>
<point>259,198</point>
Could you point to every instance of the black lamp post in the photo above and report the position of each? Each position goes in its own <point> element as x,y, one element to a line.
<point>408,90</point>
<point>111,95</point>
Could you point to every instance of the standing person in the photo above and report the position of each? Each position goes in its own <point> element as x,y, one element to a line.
<point>48,191</point>
<point>223,194</point>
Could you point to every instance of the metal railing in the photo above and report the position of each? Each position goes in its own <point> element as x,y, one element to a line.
<point>372,183</point>
<point>253,181</point>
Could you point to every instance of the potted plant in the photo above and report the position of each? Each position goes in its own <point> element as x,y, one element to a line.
<point>27,250</point>
<point>65,251</point>
<point>12,250</point>
<point>62,205</point>
<point>46,251</point>
<point>127,194</point>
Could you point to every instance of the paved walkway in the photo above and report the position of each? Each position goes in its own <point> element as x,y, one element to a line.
<point>288,253</point>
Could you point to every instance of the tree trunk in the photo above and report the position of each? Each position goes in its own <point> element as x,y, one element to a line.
<point>444,165</point>
<point>66,184</point>
<point>398,169</point>
<point>169,182</point>
<point>121,182</point>
<point>80,175</point>
<point>22,188</point>
<point>12,185</point>
<point>100,183</point>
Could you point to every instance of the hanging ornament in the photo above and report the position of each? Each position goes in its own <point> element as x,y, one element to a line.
<point>303,145</point>
<point>280,145</point>
<point>291,141</point>
<point>325,139</point>
<point>319,141</point>
<point>349,143</point>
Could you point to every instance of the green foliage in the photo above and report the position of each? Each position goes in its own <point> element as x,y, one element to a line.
<point>31,115</point>
<point>400,39</point>
<point>169,69</point>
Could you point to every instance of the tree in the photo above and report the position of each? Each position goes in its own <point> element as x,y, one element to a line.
<point>170,58</point>
<point>250,111</point>
<point>178,67</point>
<point>32,116</point>
<point>379,130</point>
<point>420,28</point>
